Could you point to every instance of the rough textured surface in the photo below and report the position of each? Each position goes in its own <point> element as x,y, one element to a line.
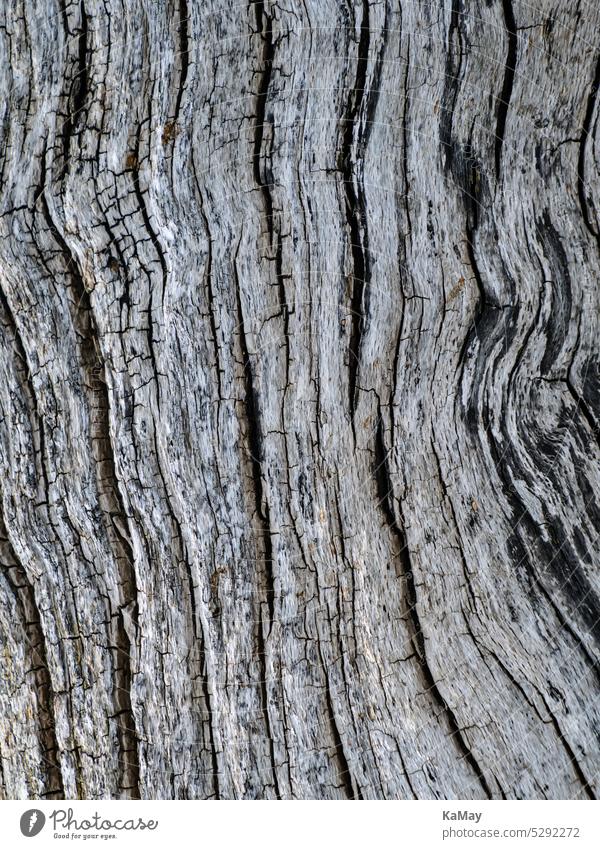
<point>299,399</point>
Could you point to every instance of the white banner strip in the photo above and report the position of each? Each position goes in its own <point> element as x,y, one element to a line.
<point>298,824</point>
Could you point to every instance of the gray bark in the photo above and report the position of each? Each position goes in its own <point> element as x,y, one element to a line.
<point>299,399</point>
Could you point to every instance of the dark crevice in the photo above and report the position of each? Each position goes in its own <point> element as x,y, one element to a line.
<point>454,59</point>
<point>208,279</point>
<point>463,559</point>
<point>343,766</point>
<point>36,642</point>
<point>355,205</point>
<point>212,306</point>
<point>526,548</point>
<point>564,742</point>
<point>344,772</point>
<point>262,513</point>
<point>507,84</point>
<point>520,689</point>
<point>37,422</point>
<point>78,90</point>
<point>583,780</point>
<point>264,180</point>
<point>559,317</point>
<point>183,53</point>
<point>256,456</point>
<point>264,26</point>
<point>482,302</point>
<point>144,209</point>
<point>65,20</point>
<point>135,159</point>
<point>346,688</point>
<point>283,305</point>
<point>405,137</point>
<point>406,772</point>
<point>488,313</point>
<point>585,134</point>
<point>264,697</point>
<point>384,495</point>
<point>81,87</point>
<point>584,409</point>
<point>371,94</point>
<point>196,621</point>
<point>109,497</point>
<point>558,555</point>
<point>555,558</point>
<point>566,626</point>
<point>209,708</point>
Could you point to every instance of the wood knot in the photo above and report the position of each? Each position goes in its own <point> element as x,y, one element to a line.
<point>456,290</point>
<point>170,132</point>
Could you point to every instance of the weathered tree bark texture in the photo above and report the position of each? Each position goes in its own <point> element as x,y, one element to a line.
<point>299,399</point>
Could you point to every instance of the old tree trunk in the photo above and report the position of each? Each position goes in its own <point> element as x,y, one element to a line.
<point>299,399</point>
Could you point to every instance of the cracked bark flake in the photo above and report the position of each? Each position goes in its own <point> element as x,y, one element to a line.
<point>299,399</point>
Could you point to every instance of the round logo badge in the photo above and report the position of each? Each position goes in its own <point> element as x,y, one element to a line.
<point>32,822</point>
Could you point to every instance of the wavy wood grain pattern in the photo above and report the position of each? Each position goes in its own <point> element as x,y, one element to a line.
<point>299,399</point>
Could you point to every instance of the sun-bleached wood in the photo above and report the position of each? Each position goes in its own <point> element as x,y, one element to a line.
<point>299,399</point>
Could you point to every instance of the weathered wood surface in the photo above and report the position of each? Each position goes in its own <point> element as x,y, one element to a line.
<point>299,399</point>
